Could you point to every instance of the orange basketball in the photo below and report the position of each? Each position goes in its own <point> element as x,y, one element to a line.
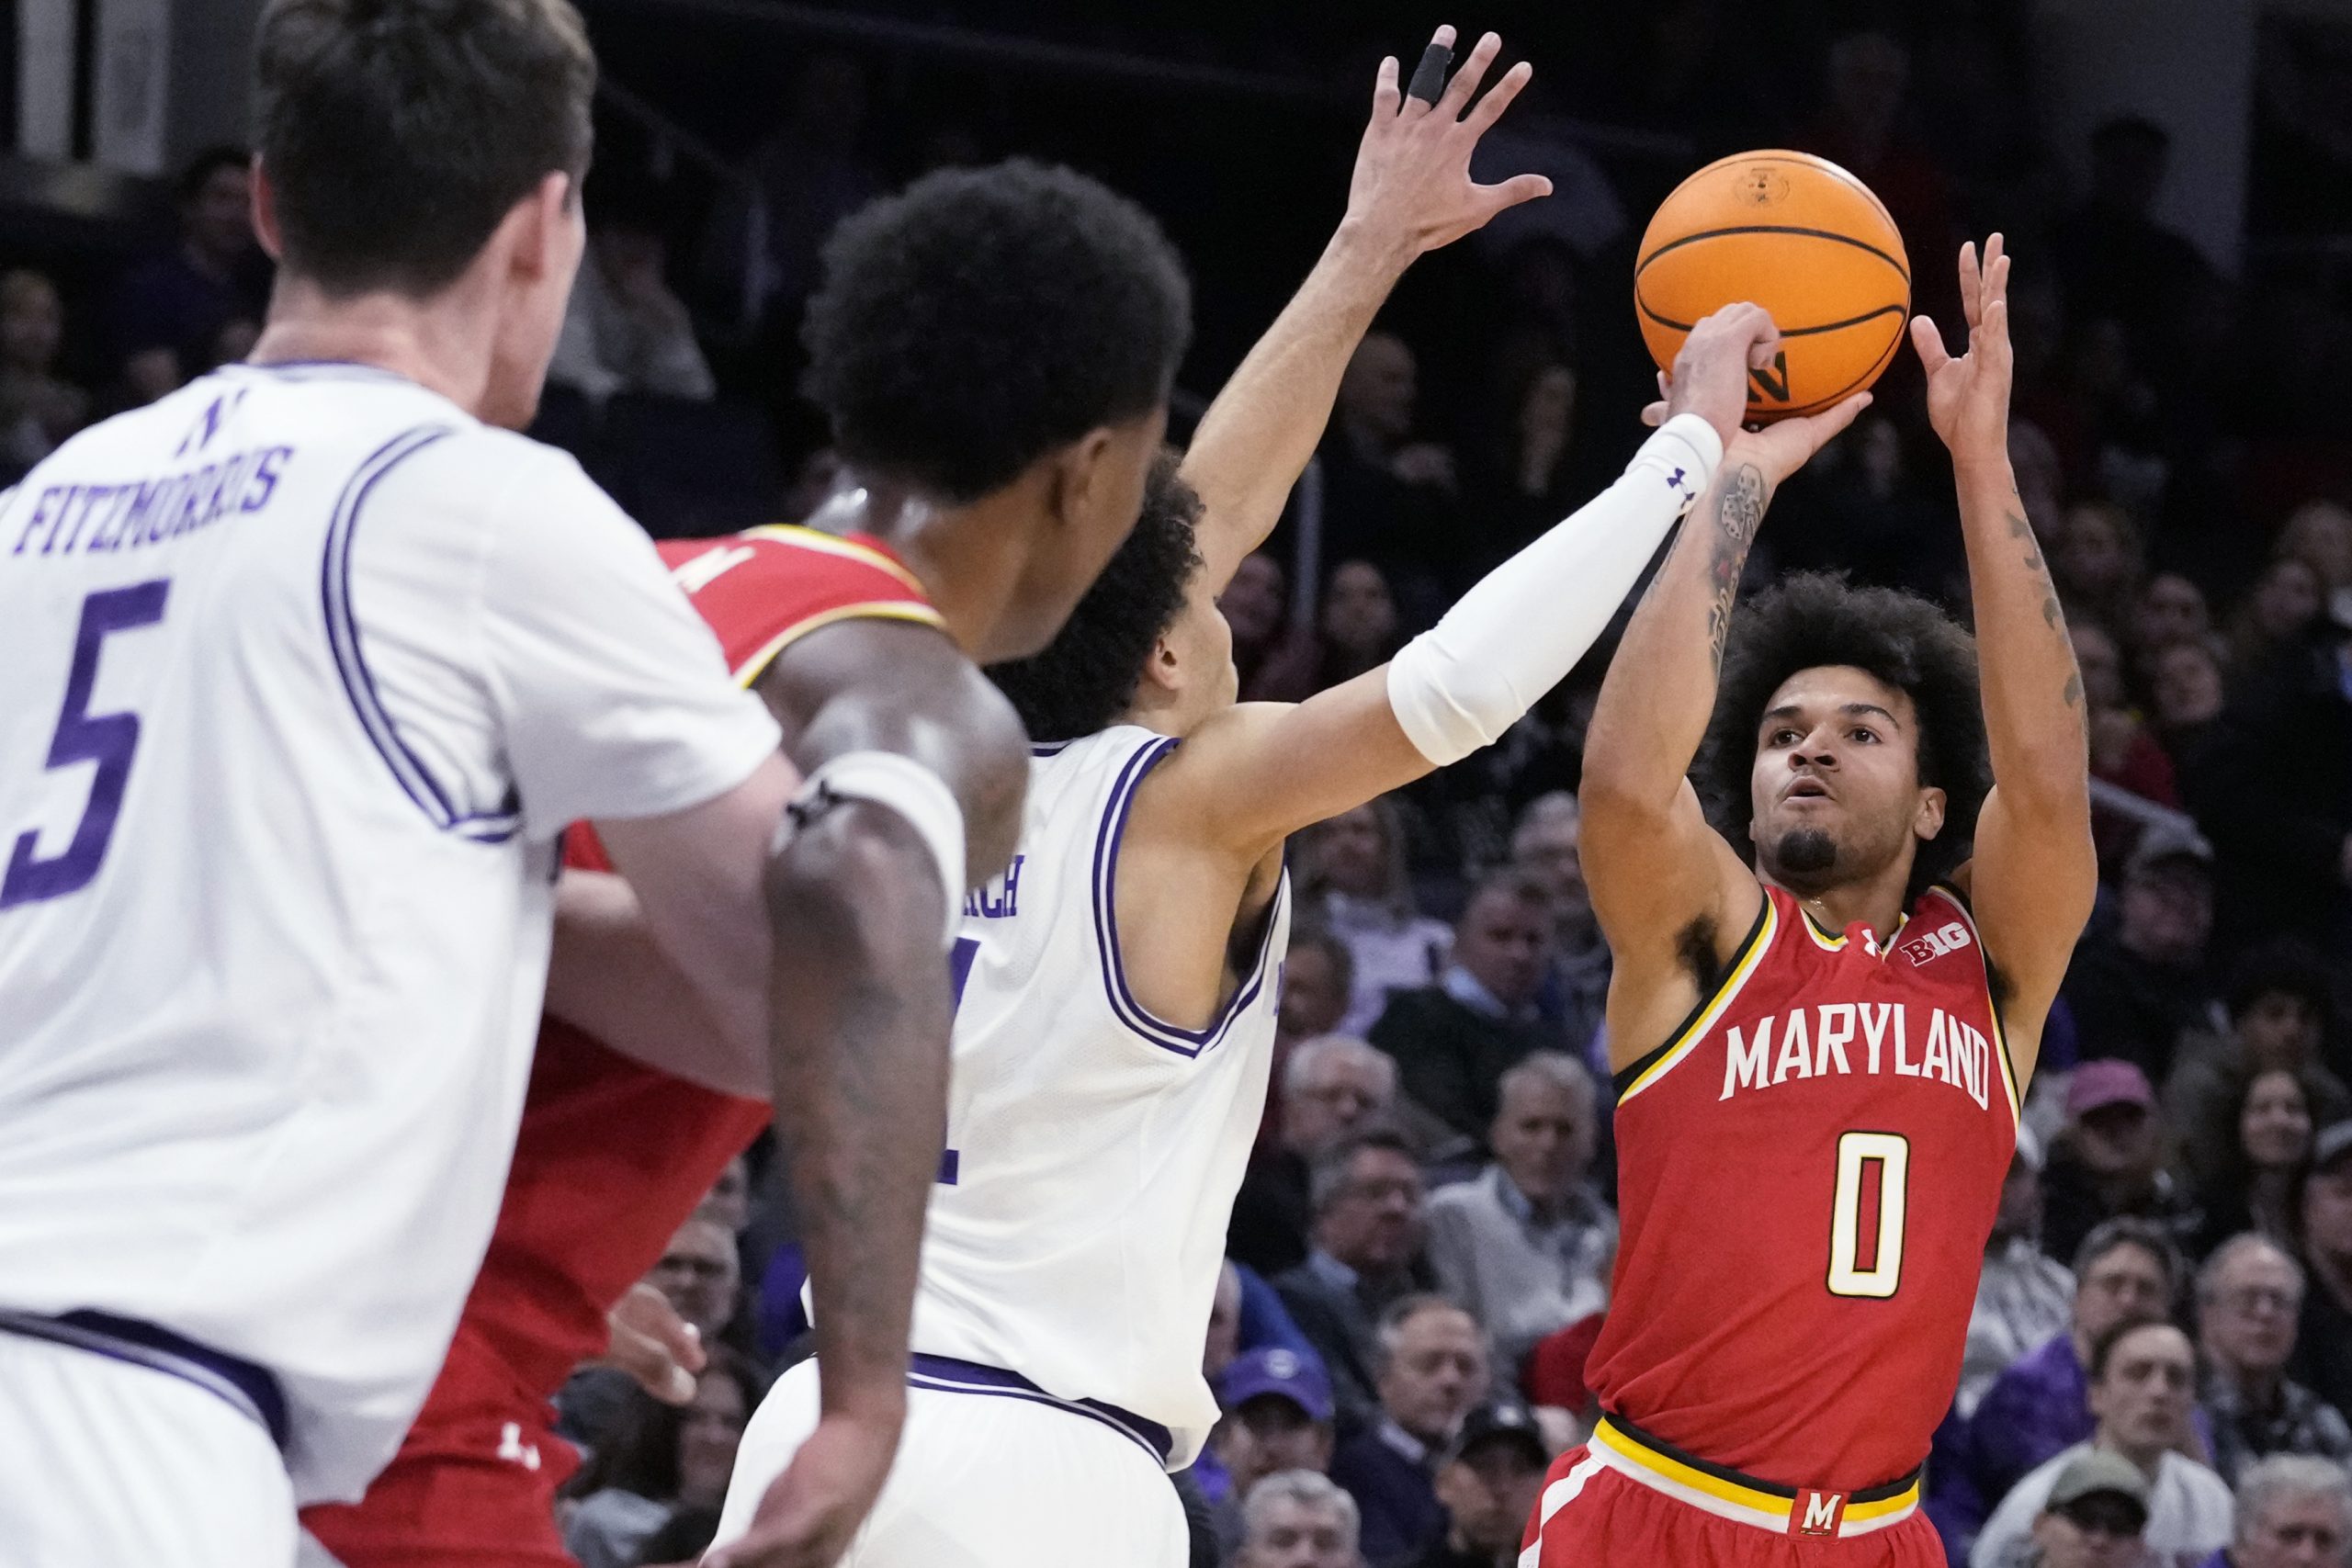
<point>1798,236</point>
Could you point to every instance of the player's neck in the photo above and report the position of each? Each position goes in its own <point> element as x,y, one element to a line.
<point>444,348</point>
<point>955,554</point>
<point>1876,903</point>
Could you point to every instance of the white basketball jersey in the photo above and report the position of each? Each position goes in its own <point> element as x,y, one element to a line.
<point>307,670</point>
<point>1078,1229</point>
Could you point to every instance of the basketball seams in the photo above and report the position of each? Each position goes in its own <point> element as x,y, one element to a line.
<point>1642,267</point>
<point>1903,309</point>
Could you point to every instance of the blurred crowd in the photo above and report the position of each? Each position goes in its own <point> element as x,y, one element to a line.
<point>2160,1361</point>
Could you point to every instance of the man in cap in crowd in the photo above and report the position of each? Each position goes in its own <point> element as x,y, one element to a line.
<point>1489,1479</point>
<point>2095,1516</point>
<point>1277,1407</point>
<point>2109,1160</point>
<point>2136,991</point>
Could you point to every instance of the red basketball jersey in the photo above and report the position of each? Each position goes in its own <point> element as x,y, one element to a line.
<point>1808,1171</point>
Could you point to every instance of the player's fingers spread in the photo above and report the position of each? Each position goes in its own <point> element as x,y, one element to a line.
<point>1488,109</point>
<point>1384,88</point>
<point>1928,343</point>
<point>1514,190</point>
<point>1465,80</point>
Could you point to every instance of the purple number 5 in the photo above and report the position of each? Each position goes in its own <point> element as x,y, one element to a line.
<point>105,739</point>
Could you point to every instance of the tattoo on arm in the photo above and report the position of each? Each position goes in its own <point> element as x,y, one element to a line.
<point>2021,530</point>
<point>1738,508</point>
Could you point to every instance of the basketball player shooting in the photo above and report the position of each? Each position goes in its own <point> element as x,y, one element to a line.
<point>1830,986</point>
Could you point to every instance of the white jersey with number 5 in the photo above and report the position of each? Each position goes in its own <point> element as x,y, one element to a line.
<point>1078,1229</point>
<point>307,670</point>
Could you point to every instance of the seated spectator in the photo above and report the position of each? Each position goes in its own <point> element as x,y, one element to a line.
<point>38,408</point>
<point>1353,874</point>
<point>1366,1254</point>
<point>1360,623</point>
<point>1453,1040</point>
<point>728,1205</point>
<point>2259,1184</point>
<point>2248,1296</point>
<point>624,330</point>
<point>701,1276</point>
<point>1388,498</point>
<point>2278,1013</point>
<point>169,311</point>
<point>2319,534</point>
<point>2096,563</point>
<point>2285,602</point>
<point>2024,1297</point>
<point>2126,1269</point>
<point>1298,1519</point>
<point>2097,1515</point>
<point>1311,999</point>
<point>1274,659</point>
<point>1277,1407</point>
<point>1545,846</point>
<point>2185,684</point>
<point>2123,752</point>
<point>2292,1512</point>
<point>1526,1245</point>
<point>663,1460</point>
<point>1432,1370</point>
<point>2324,1347</point>
<point>2137,989</point>
<point>1330,1086</point>
<point>1489,1483</point>
<point>2142,1372</point>
<point>2171,611</point>
<point>2109,1161</point>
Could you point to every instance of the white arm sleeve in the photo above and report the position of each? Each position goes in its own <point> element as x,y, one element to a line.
<point>1515,635</point>
<point>614,696</point>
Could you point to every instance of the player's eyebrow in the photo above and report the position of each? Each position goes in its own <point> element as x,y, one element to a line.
<point>1791,710</point>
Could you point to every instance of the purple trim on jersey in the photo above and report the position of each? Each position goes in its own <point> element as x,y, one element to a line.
<point>251,1388</point>
<point>350,659</point>
<point>1049,748</point>
<point>1129,1011</point>
<point>945,1374</point>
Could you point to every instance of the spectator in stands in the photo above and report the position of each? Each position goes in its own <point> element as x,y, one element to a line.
<point>2277,795</point>
<point>2324,1347</point>
<point>2143,1374</point>
<point>2115,258</point>
<point>624,330</point>
<point>1277,1417</point>
<point>1298,1519</point>
<point>2136,989</point>
<point>2109,1161</point>
<point>1545,846</point>
<point>1432,1370</point>
<point>2249,1295</point>
<point>2171,611</point>
<point>662,1461</point>
<point>1360,623</point>
<point>1488,1482</point>
<point>2258,1186</point>
<point>2024,1297</point>
<point>2096,563</point>
<point>2123,752</point>
<point>728,1205</point>
<point>169,311</point>
<point>1526,1245</point>
<point>1275,659</point>
<point>1354,870</point>
<point>2292,1512</point>
<point>38,408</point>
<point>1332,1087</point>
<point>2184,681</point>
<point>1386,496</point>
<point>2280,1008</point>
<point>701,1276</point>
<point>1453,1040</point>
<point>1318,982</point>
<point>2319,534</point>
<point>2097,1515</point>
<point>1863,127</point>
<point>1367,1254</point>
<point>2126,1270</point>
<point>2277,612</point>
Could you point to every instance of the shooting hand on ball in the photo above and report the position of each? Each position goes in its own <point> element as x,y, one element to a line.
<point>1709,377</point>
<point>1412,187</point>
<point>1968,396</point>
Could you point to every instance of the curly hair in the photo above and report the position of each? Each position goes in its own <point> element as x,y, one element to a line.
<point>1087,676</point>
<point>1811,619</point>
<point>981,318</point>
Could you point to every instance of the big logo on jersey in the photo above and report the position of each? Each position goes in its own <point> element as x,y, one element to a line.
<point>1936,943</point>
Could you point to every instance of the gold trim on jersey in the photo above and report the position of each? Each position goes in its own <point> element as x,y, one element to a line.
<point>1715,1490</point>
<point>1992,1006</point>
<point>1710,1009</point>
<point>752,669</point>
<point>1820,933</point>
<point>834,544</point>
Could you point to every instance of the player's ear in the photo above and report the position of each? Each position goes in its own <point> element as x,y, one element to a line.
<point>1928,820</point>
<point>265,211</point>
<point>1161,669</point>
<point>538,229</point>
<point>1080,470</point>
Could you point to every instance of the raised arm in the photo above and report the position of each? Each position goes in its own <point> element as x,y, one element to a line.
<point>1411,193</point>
<point>1658,872</point>
<point>2035,871</point>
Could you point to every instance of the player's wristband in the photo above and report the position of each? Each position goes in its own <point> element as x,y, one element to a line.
<point>903,786</point>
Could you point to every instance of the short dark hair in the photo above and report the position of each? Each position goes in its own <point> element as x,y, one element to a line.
<point>2283,968</point>
<point>981,318</point>
<point>2131,1230</point>
<point>398,134</point>
<point>1330,1173</point>
<point>1088,674</point>
<point>1812,619</point>
<point>2104,1343</point>
<point>197,172</point>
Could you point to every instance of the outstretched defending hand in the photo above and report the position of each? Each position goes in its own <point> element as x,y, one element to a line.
<point>1412,183</point>
<point>1968,397</point>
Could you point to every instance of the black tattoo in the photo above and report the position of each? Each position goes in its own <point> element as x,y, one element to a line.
<point>2050,612</point>
<point>1739,507</point>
